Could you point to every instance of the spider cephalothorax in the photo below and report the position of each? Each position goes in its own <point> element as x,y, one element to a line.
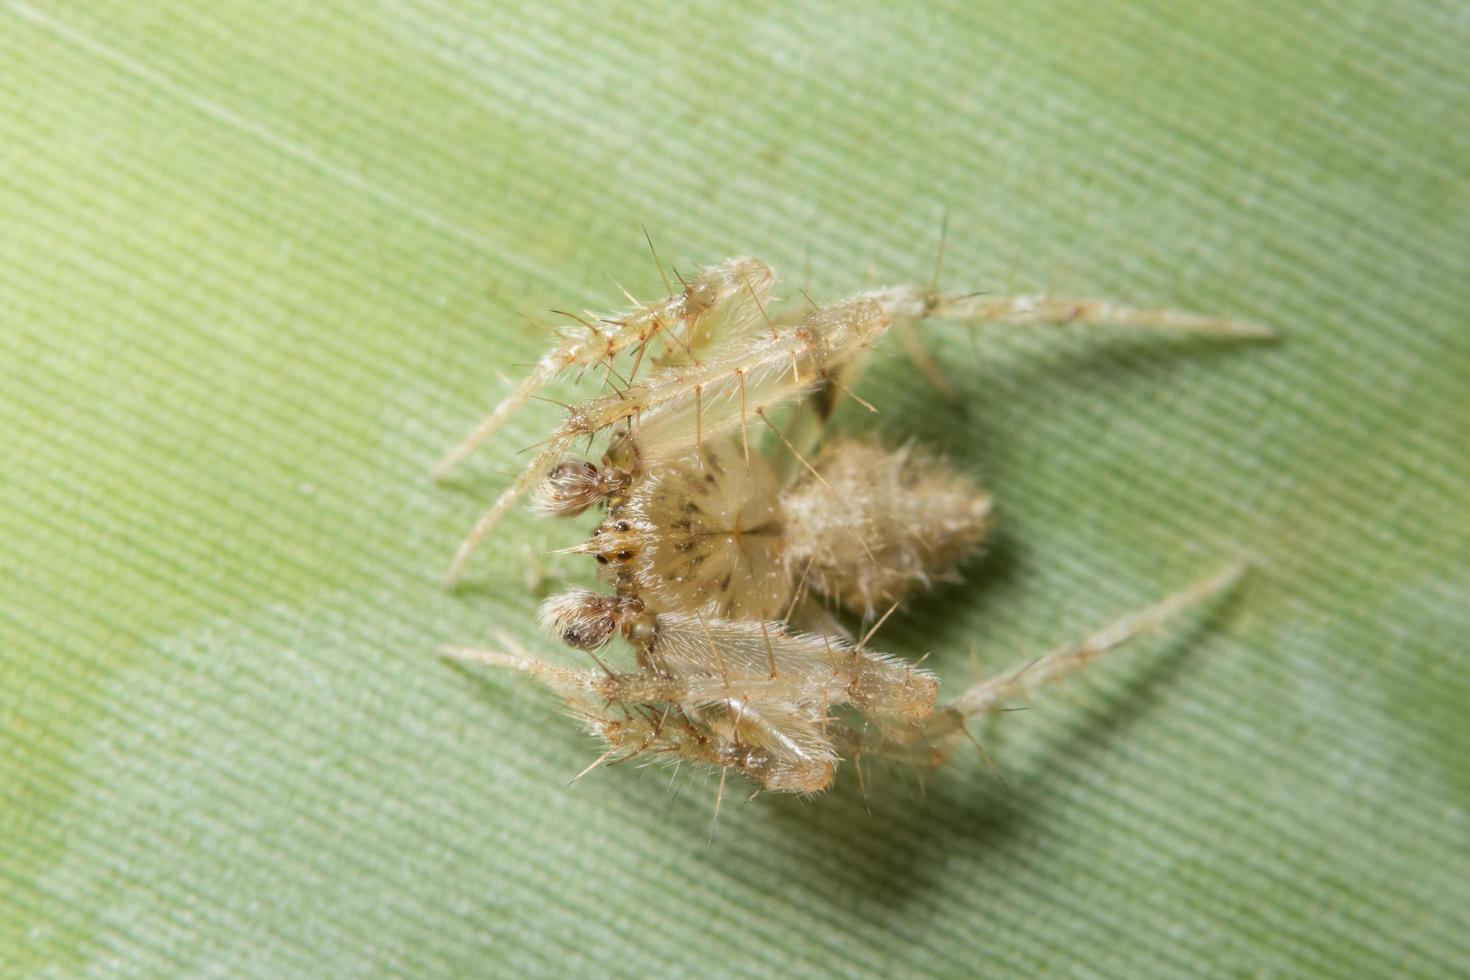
<point>734,539</point>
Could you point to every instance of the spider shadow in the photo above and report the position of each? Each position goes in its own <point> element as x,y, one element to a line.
<point>873,845</point>
<point>873,848</point>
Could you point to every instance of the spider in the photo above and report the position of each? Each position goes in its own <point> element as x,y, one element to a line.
<point>733,534</point>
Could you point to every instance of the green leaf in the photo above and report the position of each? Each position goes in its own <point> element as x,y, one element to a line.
<point>262,263</point>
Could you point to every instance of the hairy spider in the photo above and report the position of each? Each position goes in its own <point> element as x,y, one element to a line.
<point>733,534</point>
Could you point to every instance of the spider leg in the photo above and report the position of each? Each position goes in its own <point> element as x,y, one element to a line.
<point>488,520</point>
<point>908,303</point>
<point>926,742</point>
<point>548,368</point>
<point>1039,309</point>
<point>1022,679</point>
<point>567,682</point>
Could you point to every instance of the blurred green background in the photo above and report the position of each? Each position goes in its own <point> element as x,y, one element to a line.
<point>262,263</point>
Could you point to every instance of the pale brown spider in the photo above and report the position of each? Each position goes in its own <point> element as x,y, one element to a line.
<point>732,535</point>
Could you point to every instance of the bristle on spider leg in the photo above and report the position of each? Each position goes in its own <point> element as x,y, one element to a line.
<point>714,819</point>
<point>668,289</point>
<point>592,765</point>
